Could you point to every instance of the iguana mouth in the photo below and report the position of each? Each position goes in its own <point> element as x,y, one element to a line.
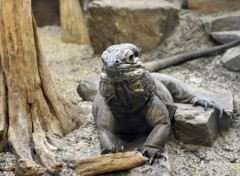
<point>122,70</point>
<point>122,67</point>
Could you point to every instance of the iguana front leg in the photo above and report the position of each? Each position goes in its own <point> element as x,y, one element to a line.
<point>105,124</point>
<point>108,142</point>
<point>157,117</point>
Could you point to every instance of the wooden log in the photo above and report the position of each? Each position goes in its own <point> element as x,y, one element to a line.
<point>109,162</point>
<point>74,28</point>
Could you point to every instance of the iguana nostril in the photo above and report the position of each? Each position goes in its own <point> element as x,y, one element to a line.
<point>117,61</point>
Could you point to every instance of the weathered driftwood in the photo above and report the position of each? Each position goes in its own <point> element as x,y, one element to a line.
<point>74,28</point>
<point>32,111</point>
<point>109,162</point>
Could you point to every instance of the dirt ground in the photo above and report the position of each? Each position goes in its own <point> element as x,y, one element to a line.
<point>70,63</point>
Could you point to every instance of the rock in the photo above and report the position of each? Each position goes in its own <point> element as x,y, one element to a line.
<point>193,125</point>
<point>231,58</point>
<point>88,89</point>
<point>212,6</point>
<point>223,23</point>
<point>146,23</point>
<point>226,36</point>
<point>225,100</point>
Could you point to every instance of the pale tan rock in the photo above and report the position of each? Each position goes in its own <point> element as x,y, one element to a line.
<point>144,23</point>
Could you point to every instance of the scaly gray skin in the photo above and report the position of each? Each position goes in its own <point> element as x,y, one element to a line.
<point>132,102</point>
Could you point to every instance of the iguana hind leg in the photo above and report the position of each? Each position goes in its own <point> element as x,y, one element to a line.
<point>182,93</point>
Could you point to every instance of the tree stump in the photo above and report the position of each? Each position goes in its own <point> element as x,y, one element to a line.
<point>33,114</point>
<point>74,29</point>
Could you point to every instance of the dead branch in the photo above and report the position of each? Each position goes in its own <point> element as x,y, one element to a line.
<point>109,162</point>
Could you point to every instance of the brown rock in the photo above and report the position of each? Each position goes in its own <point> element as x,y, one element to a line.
<point>212,6</point>
<point>142,22</point>
<point>193,125</point>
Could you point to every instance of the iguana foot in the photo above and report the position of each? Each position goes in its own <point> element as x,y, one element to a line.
<point>206,103</point>
<point>152,154</point>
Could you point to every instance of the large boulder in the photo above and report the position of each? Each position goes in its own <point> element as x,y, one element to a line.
<point>142,22</point>
<point>194,125</point>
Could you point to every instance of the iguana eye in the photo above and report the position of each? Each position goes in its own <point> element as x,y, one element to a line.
<point>130,58</point>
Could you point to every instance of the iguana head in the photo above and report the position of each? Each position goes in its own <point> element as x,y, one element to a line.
<point>119,59</point>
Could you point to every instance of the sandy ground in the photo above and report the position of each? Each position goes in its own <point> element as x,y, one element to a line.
<point>69,63</point>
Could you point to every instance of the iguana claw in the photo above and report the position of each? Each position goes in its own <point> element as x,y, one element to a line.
<point>152,154</point>
<point>112,150</point>
<point>206,103</point>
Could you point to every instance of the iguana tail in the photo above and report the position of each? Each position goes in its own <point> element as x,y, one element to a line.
<point>159,64</point>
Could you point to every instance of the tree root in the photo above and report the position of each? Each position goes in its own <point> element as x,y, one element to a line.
<point>29,168</point>
<point>44,149</point>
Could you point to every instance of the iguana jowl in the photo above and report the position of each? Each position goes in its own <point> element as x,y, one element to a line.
<point>134,102</point>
